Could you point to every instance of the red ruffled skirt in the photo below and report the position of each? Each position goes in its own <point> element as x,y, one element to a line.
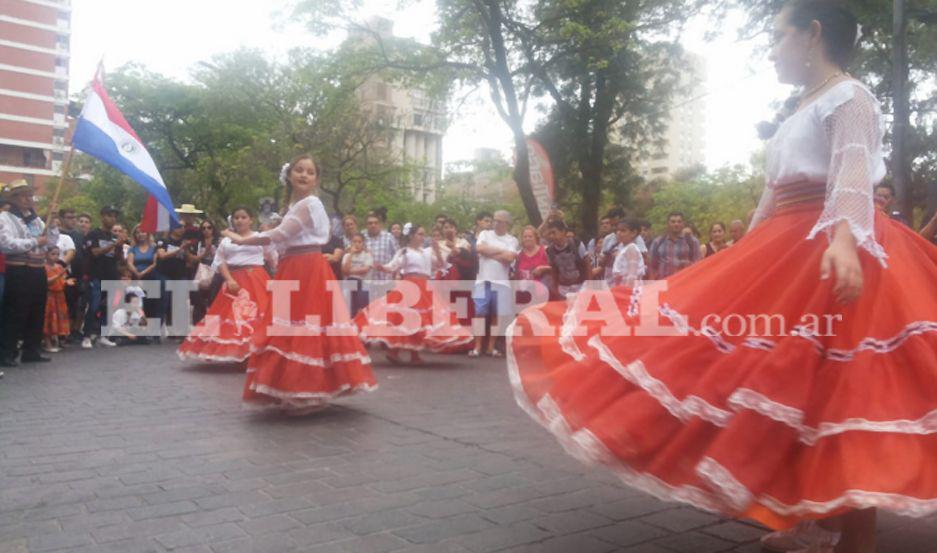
<point>431,326</point>
<point>835,411</point>
<point>226,332</point>
<point>308,352</point>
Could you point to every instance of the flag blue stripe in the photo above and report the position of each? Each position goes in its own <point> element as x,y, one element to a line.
<point>93,141</point>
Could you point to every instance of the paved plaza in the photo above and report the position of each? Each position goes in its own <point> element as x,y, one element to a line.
<point>131,450</point>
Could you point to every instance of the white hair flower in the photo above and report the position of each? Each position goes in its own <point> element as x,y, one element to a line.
<point>284,174</point>
<point>407,228</point>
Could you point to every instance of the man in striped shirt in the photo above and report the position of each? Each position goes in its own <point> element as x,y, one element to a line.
<point>672,251</point>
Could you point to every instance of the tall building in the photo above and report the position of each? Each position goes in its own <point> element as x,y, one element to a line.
<point>34,52</point>
<point>684,141</point>
<point>416,122</point>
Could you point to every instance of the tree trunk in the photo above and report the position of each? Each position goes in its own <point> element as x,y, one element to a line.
<point>522,178</point>
<point>513,117</point>
<point>593,161</point>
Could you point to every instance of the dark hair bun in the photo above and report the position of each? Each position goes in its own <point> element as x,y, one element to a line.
<point>840,26</point>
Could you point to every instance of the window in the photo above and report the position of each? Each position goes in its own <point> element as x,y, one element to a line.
<point>382,92</point>
<point>417,119</point>
<point>34,158</point>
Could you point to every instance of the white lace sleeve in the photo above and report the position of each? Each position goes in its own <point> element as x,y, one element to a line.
<point>303,217</point>
<point>765,207</point>
<point>854,130</point>
<point>397,262</point>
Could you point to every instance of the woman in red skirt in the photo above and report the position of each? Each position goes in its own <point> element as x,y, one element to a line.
<point>810,396</point>
<point>307,351</point>
<point>431,325</point>
<point>225,334</point>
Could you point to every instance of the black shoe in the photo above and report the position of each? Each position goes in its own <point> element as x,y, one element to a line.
<point>34,358</point>
<point>8,362</point>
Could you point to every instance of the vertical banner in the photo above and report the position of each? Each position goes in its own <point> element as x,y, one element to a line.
<point>541,176</point>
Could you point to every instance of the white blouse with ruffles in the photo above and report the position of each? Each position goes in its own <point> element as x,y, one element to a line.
<point>837,140</point>
<point>305,224</point>
<point>409,261</point>
<point>232,254</point>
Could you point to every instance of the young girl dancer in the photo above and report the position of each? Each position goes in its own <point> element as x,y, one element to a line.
<point>225,334</point>
<point>303,358</point>
<point>825,414</point>
<point>437,329</point>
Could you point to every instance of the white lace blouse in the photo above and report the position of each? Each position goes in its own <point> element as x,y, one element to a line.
<point>305,224</point>
<point>837,140</point>
<point>232,254</point>
<point>409,260</point>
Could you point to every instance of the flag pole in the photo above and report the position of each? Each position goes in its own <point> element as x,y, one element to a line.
<point>63,174</point>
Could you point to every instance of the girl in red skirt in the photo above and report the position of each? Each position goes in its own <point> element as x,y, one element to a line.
<point>56,322</point>
<point>306,351</point>
<point>808,395</point>
<point>225,334</point>
<point>436,328</point>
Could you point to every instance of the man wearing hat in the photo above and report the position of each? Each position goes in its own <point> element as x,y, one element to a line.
<point>23,240</point>
<point>187,213</point>
<point>104,251</point>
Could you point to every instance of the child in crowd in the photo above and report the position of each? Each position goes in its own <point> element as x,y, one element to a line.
<point>128,323</point>
<point>628,265</point>
<point>356,264</point>
<point>57,325</point>
<point>570,267</point>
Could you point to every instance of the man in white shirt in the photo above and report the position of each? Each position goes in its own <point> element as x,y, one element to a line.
<point>492,294</point>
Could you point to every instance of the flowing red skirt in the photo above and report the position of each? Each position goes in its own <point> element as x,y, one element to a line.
<point>301,362</point>
<point>225,334</point>
<point>773,426</point>
<point>437,328</point>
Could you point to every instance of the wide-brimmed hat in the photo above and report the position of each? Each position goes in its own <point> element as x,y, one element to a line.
<point>16,186</point>
<point>189,209</point>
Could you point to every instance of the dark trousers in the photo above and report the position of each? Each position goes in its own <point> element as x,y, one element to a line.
<point>24,309</point>
<point>94,317</point>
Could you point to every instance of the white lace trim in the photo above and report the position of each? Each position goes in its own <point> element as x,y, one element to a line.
<point>864,238</point>
<point>303,400</point>
<point>635,301</point>
<point>316,329</point>
<point>186,355</point>
<point>570,321</point>
<point>833,354</point>
<point>222,341</point>
<point>636,373</point>
<point>720,477</point>
<point>732,495</point>
<point>434,345</point>
<point>315,361</point>
<point>586,447</point>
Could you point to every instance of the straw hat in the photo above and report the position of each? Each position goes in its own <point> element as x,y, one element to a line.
<point>189,209</point>
<point>17,185</point>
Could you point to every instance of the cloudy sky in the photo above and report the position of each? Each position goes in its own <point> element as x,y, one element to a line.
<point>170,36</point>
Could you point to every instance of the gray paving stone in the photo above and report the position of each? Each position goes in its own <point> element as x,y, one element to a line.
<point>145,453</point>
<point>694,542</point>
<point>443,529</point>
<point>680,520</point>
<point>503,537</point>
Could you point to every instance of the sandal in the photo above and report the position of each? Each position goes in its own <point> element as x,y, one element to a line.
<point>496,353</point>
<point>474,353</point>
